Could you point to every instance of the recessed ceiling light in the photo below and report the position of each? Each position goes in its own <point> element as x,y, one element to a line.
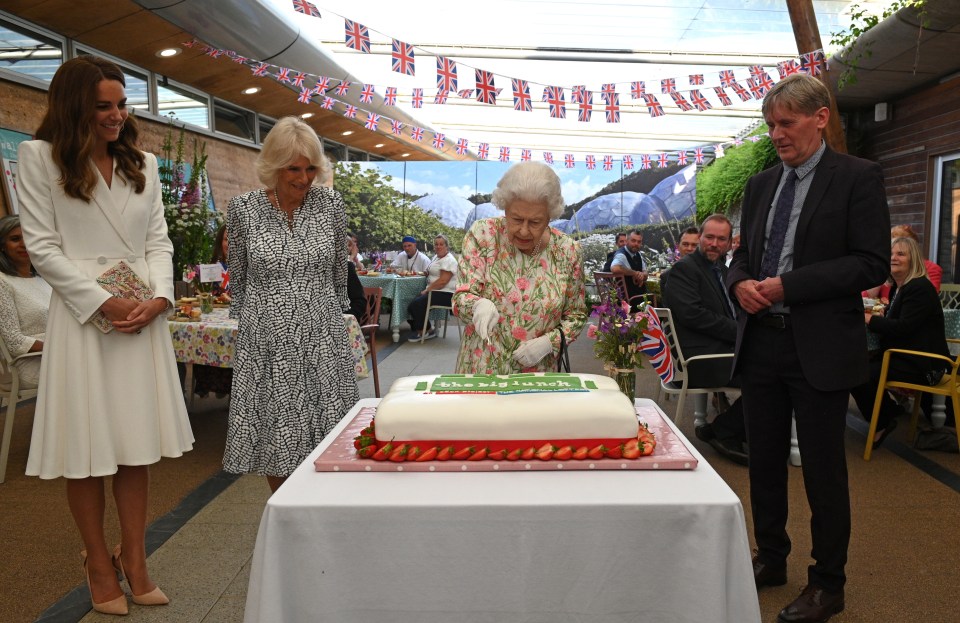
<point>168,52</point>
<point>378,145</point>
<point>346,133</point>
<point>306,115</point>
<point>251,90</point>
<point>404,155</point>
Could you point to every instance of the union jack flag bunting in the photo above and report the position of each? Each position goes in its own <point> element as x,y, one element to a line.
<point>738,141</point>
<point>321,86</point>
<point>327,103</point>
<point>260,69</point>
<point>681,103</point>
<point>663,160</point>
<point>238,59</point>
<point>298,79</point>
<point>645,161</point>
<point>696,79</point>
<point>718,151</point>
<point>741,92</point>
<point>366,95</point>
<point>439,138</point>
<point>462,145</point>
<point>668,85</point>
<point>613,108</point>
<point>283,75</point>
<point>483,151</point>
<point>446,74</point>
<point>465,94</point>
<point>373,120</point>
<point>214,53</point>
<point>698,155</point>
<point>628,162</point>
<point>682,158</point>
<point>546,94</point>
<point>637,89</point>
<point>396,127</point>
<point>756,88</point>
<point>416,134</point>
<point>521,95</point>
<point>307,8</point>
<point>608,163</point>
<point>591,162</point>
<point>655,346</point>
<point>390,97</point>
<point>486,89</point>
<point>608,89</point>
<point>342,88</point>
<point>440,97</point>
<point>402,56</point>
<point>417,99</point>
<point>356,36</point>
<point>787,68</point>
<point>525,155</point>
<point>548,157</point>
<point>189,44</point>
<point>811,62</point>
<point>727,79</point>
<point>568,161</point>
<point>722,96</point>
<point>504,154</point>
<point>586,107</point>
<point>305,96</point>
<point>699,101</point>
<point>756,138</point>
<point>558,109</point>
<point>350,111</point>
<point>653,105</point>
<point>577,93</point>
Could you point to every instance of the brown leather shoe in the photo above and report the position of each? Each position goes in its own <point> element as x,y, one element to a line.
<point>814,605</point>
<point>768,575</point>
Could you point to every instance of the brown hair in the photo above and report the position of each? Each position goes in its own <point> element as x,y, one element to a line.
<point>800,93</point>
<point>71,105</point>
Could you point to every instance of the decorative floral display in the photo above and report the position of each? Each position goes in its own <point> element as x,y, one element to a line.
<point>618,333</point>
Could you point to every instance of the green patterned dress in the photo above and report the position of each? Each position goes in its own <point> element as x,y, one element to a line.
<point>535,295</point>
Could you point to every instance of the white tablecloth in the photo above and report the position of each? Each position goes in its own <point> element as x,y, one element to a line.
<point>597,547</point>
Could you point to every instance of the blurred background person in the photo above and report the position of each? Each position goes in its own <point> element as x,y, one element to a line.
<point>412,260</point>
<point>441,281</point>
<point>689,241</point>
<point>621,240</point>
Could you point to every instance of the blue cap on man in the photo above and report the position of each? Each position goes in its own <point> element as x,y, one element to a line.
<point>410,239</point>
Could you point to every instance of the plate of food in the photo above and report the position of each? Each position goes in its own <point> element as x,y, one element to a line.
<point>373,274</point>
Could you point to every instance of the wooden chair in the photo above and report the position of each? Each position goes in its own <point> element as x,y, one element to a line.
<point>369,325</point>
<point>950,295</point>
<point>13,393</point>
<point>615,282</point>
<point>948,387</point>
<point>447,312</point>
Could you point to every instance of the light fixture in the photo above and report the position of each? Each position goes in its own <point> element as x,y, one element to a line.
<point>168,52</point>
<point>378,145</point>
<point>306,115</point>
<point>346,133</point>
<point>404,155</point>
<point>251,90</point>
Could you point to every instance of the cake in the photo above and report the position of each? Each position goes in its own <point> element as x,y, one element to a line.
<point>504,417</point>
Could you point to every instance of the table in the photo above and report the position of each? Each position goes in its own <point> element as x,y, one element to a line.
<point>487,547</point>
<point>400,290</point>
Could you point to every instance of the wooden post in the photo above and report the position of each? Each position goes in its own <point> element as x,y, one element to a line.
<point>807,36</point>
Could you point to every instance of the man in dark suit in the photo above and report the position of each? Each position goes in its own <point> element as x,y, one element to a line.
<point>621,240</point>
<point>705,319</point>
<point>815,231</point>
<point>628,262</point>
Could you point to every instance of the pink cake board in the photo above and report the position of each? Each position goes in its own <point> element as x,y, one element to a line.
<point>671,453</point>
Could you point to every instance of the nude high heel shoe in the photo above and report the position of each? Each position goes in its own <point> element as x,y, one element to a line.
<point>116,606</point>
<point>156,597</point>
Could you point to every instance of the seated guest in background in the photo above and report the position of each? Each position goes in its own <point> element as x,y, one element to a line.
<point>628,262</point>
<point>358,300</point>
<point>621,240</point>
<point>356,258</point>
<point>442,281</point>
<point>24,301</point>
<point>734,243</point>
<point>411,260</point>
<point>914,321</point>
<point>689,241</point>
<point>934,272</point>
<point>705,317</point>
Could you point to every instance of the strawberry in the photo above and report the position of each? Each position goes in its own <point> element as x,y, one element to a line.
<point>445,453</point>
<point>598,452</point>
<point>362,441</point>
<point>615,452</point>
<point>400,454</point>
<point>366,452</point>
<point>384,452</point>
<point>563,454</point>
<point>515,454</point>
<point>413,453</point>
<point>581,453</point>
<point>479,455</point>
<point>545,453</point>
<point>429,454</point>
<point>630,446</point>
<point>631,453</point>
<point>499,455</point>
<point>528,454</point>
<point>367,431</point>
<point>648,449</point>
<point>462,454</point>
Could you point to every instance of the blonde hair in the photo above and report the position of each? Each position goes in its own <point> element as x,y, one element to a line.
<point>917,267</point>
<point>287,141</point>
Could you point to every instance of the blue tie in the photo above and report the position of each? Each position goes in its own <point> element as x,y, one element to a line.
<point>770,265</point>
<point>723,288</point>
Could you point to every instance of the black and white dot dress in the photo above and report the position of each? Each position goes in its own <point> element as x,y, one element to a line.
<point>293,375</point>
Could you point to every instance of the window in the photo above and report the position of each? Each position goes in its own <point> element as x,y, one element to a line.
<point>29,53</point>
<point>181,104</point>
<point>946,210</point>
<point>355,155</point>
<point>266,124</point>
<point>138,87</point>
<point>234,121</point>
<point>336,151</point>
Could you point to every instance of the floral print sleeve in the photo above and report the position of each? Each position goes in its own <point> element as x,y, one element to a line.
<point>536,296</point>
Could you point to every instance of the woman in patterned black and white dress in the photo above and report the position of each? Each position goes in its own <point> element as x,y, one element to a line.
<point>293,376</point>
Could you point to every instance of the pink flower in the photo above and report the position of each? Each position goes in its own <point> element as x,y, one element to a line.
<point>478,352</point>
<point>470,330</point>
<point>592,332</point>
<point>513,297</point>
<point>520,333</point>
<point>527,317</point>
<point>523,283</point>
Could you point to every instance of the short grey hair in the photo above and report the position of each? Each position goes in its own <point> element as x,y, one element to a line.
<point>442,237</point>
<point>7,225</point>
<point>530,181</point>
<point>289,139</point>
<point>800,93</point>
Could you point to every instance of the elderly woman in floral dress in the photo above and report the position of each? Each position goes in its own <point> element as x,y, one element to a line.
<point>521,282</point>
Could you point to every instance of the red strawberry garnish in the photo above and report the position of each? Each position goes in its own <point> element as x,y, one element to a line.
<point>514,454</point>
<point>631,453</point>
<point>615,452</point>
<point>445,453</point>
<point>479,455</point>
<point>597,452</point>
<point>580,453</point>
<point>462,454</point>
<point>528,454</point>
<point>366,452</point>
<point>429,454</point>
<point>499,455</point>
<point>413,453</point>
<point>400,454</point>
<point>384,452</point>
<point>563,454</point>
<point>545,453</point>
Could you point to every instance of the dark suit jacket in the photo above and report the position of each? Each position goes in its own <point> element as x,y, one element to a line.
<point>358,301</point>
<point>914,322</point>
<point>704,322</point>
<point>842,246</point>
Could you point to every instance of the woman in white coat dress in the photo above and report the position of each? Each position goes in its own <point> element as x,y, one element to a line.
<point>109,403</point>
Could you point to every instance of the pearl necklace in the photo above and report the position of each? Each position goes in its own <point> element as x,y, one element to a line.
<point>280,207</point>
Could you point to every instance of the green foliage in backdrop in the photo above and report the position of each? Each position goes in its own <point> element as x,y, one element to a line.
<point>720,185</point>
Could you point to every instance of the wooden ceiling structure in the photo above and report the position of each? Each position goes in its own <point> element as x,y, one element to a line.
<point>125,30</point>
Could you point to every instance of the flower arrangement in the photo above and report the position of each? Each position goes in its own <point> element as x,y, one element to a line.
<point>618,333</point>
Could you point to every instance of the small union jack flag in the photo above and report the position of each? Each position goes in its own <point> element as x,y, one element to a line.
<point>366,95</point>
<point>756,138</point>
<point>645,161</point>
<point>321,86</point>
<point>446,74</point>
<point>681,103</point>
<point>483,151</point>
<point>521,95</point>
<point>568,161</point>
<point>440,97</point>
<point>260,69</point>
<point>504,154</point>
<point>238,59</point>
<point>668,85</point>
<point>305,96</point>
<point>722,96</point>
<point>190,44</point>
<point>637,89</point>
<point>390,97</point>
<point>608,163</point>
<point>417,100</point>
<point>682,158</point>
<point>613,108</point>
<point>811,62</point>
<point>402,56</point>
<point>696,79</point>
<point>653,105</point>
<point>283,75</point>
<point>356,36</point>
<point>586,106</point>
<point>787,68</point>
<point>577,93</point>
<point>307,8</point>
<point>738,141</point>
<point>526,155</point>
<point>628,162</point>
<point>607,90</point>
<point>558,109</point>
<point>486,89</point>
<point>327,103</point>
<point>727,79</point>
<point>373,120</point>
<point>439,138</point>
<point>342,88</point>
<point>718,151</point>
<point>699,101</point>
<point>591,162</point>
<point>214,53</point>
<point>465,94</point>
<point>756,71</point>
<point>741,92</point>
<point>698,155</point>
<point>298,79</point>
<point>655,346</point>
<point>548,157</point>
<point>350,111</point>
<point>416,134</point>
<point>764,80</point>
<point>396,127</point>
<point>663,160</point>
<point>546,94</point>
<point>756,88</point>
<point>462,145</point>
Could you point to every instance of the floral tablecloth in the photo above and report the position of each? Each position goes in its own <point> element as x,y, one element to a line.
<point>211,341</point>
<point>400,290</point>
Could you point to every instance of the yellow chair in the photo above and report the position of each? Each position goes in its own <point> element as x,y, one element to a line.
<point>946,387</point>
<point>13,392</point>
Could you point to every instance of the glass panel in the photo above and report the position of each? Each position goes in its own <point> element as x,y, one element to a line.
<point>29,53</point>
<point>356,155</point>
<point>948,207</point>
<point>234,121</point>
<point>183,105</point>
<point>137,88</point>
<point>265,126</point>
<point>335,151</point>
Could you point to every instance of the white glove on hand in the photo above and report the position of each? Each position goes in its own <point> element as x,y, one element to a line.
<point>485,317</point>
<point>532,351</point>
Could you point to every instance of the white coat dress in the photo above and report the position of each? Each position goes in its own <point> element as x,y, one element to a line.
<point>105,399</point>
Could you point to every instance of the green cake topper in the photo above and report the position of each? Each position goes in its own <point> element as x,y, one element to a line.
<point>507,384</point>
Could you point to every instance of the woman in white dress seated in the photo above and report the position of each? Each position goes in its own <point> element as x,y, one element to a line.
<point>442,281</point>
<point>24,301</point>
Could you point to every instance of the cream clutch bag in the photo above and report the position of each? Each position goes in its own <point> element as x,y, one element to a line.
<point>122,282</point>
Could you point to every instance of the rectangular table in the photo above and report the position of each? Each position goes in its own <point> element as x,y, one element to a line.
<point>585,546</point>
<point>400,291</point>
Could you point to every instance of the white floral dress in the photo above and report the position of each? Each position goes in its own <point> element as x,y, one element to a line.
<point>23,320</point>
<point>535,295</point>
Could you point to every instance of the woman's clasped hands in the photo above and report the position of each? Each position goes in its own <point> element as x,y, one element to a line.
<point>130,316</point>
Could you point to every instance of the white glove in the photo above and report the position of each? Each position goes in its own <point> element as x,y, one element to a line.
<point>532,351</point>
<point>485,317</point>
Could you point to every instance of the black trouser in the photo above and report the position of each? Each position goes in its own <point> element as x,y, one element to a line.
<point>418,309</point>
<point>730,424</point>
<point>774,390</point>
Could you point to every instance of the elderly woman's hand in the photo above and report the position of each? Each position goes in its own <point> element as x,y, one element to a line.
<point>532,351</point>
<point>485,317</point>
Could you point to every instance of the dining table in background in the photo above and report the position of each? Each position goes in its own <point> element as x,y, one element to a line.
<point>400,291</point>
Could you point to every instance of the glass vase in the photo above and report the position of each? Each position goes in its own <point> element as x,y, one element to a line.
<point>627,382</point>
<point>206,302</point>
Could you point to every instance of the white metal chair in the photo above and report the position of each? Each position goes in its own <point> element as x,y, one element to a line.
<point>950,295</point>
<point>13,393</point>
<point>680,384</point>
<point>443,313</point>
